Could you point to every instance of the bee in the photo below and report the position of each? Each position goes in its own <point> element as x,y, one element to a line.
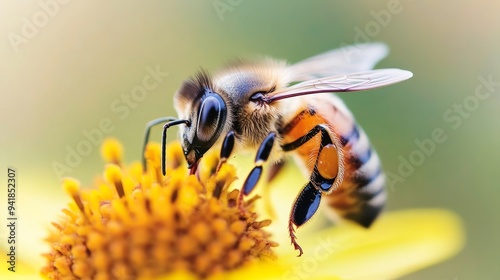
<point>274,109</point>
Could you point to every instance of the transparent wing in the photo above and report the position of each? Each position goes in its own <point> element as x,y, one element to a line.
<point>345,60</point>
<point>342,83</point>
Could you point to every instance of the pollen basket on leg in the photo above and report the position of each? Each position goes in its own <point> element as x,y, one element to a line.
<point>328,162</point>
<point>154,225</point>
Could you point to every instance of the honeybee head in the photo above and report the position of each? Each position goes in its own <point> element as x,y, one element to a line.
<point>205,112</point>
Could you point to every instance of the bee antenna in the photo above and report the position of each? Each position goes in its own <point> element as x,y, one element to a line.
<point>164,142</point>
<point>147,132</point>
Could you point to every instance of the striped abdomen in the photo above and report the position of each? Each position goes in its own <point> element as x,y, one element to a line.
<point>361,196</point>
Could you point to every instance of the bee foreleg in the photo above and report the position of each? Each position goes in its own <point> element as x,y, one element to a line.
<point>226,149</point>
<point>262,155</point>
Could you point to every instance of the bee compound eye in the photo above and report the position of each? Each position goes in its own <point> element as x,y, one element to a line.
<point>209,118</point>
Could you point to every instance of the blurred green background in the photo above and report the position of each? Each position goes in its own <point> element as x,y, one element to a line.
<point>62,74</point>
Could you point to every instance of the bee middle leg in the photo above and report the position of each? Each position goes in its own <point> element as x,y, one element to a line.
<point>253,177</point>
<point>262,155</point>
<point>327,174</point>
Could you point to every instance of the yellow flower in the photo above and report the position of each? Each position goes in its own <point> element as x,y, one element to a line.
<point>142,225</point>
<point>139,224</point>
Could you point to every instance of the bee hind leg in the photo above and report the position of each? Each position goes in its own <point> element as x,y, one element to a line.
<point>306,204</point>
<point>326,175</point>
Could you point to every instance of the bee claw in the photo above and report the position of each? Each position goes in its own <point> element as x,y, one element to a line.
<point>297,247</point>
<point>293,238</point>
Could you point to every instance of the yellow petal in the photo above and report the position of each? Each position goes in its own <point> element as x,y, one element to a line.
<point>399,243</point>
